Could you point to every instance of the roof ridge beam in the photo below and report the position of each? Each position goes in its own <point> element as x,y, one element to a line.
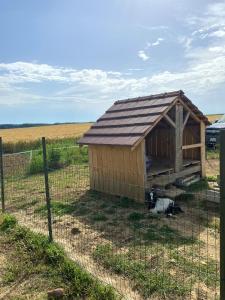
<point>151,97</point>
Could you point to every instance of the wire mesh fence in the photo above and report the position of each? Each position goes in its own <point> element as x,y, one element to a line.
<point>124,243</point>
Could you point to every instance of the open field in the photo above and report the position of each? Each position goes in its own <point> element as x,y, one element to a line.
<point>56,131</point>
<point>51,132</point>
<point>213,118</point>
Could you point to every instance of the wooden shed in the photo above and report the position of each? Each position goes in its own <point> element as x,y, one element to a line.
<point>144,141</point>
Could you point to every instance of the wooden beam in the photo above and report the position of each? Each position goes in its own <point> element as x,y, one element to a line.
<point>186,119</point>
<point>156,122</point>
<point>166,179</point>
<point>170,121</point>
<point>178,137</point>
<point>190,111</point>
<point>185,147</point>
<point>203,154</point>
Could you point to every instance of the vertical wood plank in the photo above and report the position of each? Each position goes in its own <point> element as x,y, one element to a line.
<point>90,167</point>
<point>203,154</point>
<point>178,138</point>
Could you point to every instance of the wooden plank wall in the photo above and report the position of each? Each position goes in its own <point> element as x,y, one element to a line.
<point>118,170</point>
<point>191,136</point>
<point>160,143</point>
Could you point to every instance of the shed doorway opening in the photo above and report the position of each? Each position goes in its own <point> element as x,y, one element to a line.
<point>160,149</point>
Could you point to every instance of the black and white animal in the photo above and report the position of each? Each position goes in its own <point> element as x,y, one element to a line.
<point>158,205</point>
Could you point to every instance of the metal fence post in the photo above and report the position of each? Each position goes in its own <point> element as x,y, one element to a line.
<point>47,193</point>
<point>222,214</point>
<point>2,177</point>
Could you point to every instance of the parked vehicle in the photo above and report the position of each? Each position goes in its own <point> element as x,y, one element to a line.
<point>213,132</point>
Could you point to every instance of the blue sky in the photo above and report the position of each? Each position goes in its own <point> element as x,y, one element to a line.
<point>69,60</point>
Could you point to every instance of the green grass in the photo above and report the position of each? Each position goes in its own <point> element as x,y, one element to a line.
<point>203,270</point>
<point>185,197</point>
<point>213,154</point>
<point>212,178</point>
<point>125,202</point>
<point>99,217</point>
<point>110,211</point>
<point>135,216</point>
<point>166,235</point>
<point>146,280</point>
<point>32,255</point>
<point>58,209</point>
<point>212,223</point>
<point>28,204</point>
<point>198,186</point>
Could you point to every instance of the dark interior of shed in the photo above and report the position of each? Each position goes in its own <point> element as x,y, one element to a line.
<point>160,145</point>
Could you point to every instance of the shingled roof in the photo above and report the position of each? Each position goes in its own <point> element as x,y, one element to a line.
<point>128,121</point>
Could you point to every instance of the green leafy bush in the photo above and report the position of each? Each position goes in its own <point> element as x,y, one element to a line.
<point>36,164</point>
<point>7,222</point>
<point>54,158</point>
<point>57,158</point>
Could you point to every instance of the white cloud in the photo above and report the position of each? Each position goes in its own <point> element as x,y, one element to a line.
<point>186,42</point>
<point>219,33</point>
<point>206,71</point>
<point>216,9</point>
<point>153,28</point>
<point>211,23</point>
<point>135,69</point>
<point>143,55</point>
<point>156,43</point>
<point>217,49</point>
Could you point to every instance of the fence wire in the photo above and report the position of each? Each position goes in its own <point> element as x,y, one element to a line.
<point>143,255</point>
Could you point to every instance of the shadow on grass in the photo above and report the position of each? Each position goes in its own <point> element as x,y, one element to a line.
<point>121,220</point>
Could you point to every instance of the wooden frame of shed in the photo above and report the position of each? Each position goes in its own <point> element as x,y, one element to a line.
<point>166,127</point>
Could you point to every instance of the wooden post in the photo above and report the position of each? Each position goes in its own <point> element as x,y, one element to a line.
<point>48,199</point>
<point>203,154</point>
<point>2,177</point>
<point>222,214</point>
<point>179,138</point>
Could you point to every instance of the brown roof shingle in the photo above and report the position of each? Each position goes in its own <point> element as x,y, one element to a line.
<point>127,121</point>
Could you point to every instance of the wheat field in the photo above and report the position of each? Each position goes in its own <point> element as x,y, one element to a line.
<point>15,135</point>
<point>213,118</point>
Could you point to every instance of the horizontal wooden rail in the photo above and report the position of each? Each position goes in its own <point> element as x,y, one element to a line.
<point>185,147</point>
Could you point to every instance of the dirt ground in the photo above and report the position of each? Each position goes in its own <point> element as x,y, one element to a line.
<point>212,167</point>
